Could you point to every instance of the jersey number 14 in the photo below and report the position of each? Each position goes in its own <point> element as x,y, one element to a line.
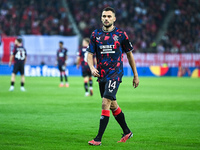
<point>112,84</point>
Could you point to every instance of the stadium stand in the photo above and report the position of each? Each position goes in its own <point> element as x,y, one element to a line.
<point>183,33</point>
<point>36,17</point>
<point>141,19</point>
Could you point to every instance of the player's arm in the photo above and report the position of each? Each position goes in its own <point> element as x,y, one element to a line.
<point>12,54</point>
<point>90,62</point>
<point>78,60</point>
<point>90,53</point>
<point>56,63</point>
<point>66,60</point>
<point>66,56</point>
<point>25,59</point>
<point>11,58</point>
<point>133,67</point>
<point>95,61</point>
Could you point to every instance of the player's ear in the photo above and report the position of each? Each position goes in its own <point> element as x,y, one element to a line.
<point>101,19</point>
<point>114,19</point>
<point>15,42</point>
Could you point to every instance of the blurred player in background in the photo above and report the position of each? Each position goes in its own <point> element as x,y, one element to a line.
<point>62,62</point>
<point>86,73</point>
<point>109,43</point>
<point>183,70</point>
<point>19,54</point>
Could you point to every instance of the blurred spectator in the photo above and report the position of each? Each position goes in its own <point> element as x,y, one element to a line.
<point>141,19</point>
<point>37,17</point>
<point>184,29</point>
<point>160,48</point>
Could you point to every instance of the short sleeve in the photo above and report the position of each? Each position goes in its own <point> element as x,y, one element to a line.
<point>25,52</point>
<point>13,52</point>
<point>91,47</point>
<point>126,44</point>
<point>79,52</point>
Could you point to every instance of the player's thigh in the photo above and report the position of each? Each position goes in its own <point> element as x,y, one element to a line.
<point>16,68</point>
<point>21,69</point>
<point>85,79</point>
<point>84,73</point>
<point>61,67</point>
<point>89,72</point>
<point>102,88</point>
<point>111,88</point>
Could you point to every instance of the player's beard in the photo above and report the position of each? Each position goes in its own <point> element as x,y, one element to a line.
<point>107,26</point>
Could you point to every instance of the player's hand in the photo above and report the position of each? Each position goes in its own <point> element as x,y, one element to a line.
<point>77,66</point>
<point>95,72</point>
<point>9,64</point>
<point>135,81</point>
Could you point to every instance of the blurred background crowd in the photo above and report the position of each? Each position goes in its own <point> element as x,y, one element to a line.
<point>153,26</point>
<point>38,17</point>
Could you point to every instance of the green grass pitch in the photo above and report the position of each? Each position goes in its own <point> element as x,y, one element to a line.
<point>163,113</point>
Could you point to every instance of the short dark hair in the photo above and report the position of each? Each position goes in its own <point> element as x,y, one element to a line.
<point>61,42</point>
<point>19,40</point>
<point>109,9</point>
<point>87,40</point>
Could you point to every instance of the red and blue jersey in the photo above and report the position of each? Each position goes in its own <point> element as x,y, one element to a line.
<point>109,48</point>
<point>19,53</point>
<point>81,54</point>
<point>61,55</point>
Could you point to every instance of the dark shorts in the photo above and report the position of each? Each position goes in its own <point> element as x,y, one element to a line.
<point>109,89</point>
<point>86,71</point>
<point>61,67</point>
<point>18,67</point>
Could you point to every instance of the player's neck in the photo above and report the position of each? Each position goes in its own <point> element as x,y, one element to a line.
<point>109,28</point>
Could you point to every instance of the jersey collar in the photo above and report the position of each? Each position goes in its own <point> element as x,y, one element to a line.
<point>108,31</point>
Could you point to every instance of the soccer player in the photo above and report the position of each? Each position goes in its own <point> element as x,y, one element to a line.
<point>183,70</point>
<point>86,73</point>
<point>61,62</point>
<point>109,43</point>
<point>19,54</point>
